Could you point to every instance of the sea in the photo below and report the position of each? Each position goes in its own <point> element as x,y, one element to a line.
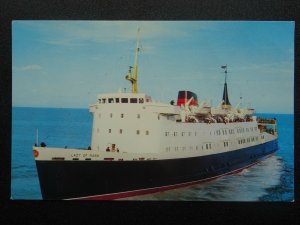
<point>271,180</point>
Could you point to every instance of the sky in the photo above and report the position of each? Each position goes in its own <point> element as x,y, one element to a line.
<point>65,64</point>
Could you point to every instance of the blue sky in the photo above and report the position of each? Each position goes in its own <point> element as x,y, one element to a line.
<point>67,63</point>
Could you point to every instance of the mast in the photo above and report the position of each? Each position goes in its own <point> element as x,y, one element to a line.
<point>225,99</point>
<point>132,77</point>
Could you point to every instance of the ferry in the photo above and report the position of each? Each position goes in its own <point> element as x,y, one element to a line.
<point>140,146</point>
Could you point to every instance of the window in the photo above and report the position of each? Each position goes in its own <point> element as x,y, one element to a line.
<point>109,130</point>
<point>147,132</point>
<point>141,100</point>
<point>175,133</point>
<point>99,100</point>
<point>138,132</point>
<point>121,131</point>
<point>166,133</point>
<point>122,115</point>
<point>110,100</point>
<point>124,100</point>
<point>133,100</point>
<point>110,115</point>
<point>182,133</point>
<point>117,100</point>
<point>138,116</point>
<point>103,100</point>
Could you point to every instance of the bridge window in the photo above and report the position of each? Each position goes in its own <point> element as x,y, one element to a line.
<point>122,115</point>
<point>147,132</point>
<point>111,115</point>
<point>133,100</point>
<point>141,100</point>
<point>138,116</point>
<point>124,100</point>
<point>117,100</point>
<point>121,131</point>
<point>110,100</point>
<point>137,131</point>
<point>109,130</point>
<point>103,100</point>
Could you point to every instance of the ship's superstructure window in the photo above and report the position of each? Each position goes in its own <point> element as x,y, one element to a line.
<point>109,130</point>
<point>208,146</point>
<point>138,116</point>
<point>182,133</point>
<point>147,132</point>
<point>110,100</point>
<point>124,100</point>
<point>103,100</point>
<point>166,133</point>
<point>218,132</point>
<point>99,100</point>
<point>137,131</point>
<point>111,115</point>
<point>141,100</point>
<point>122,115</point>
<point>175,134</point>
<point>121,131</point>
<point>133,100</point>
<point>117,100</point>
<point>225,143</point>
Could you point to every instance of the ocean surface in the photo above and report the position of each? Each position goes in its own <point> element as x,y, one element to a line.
<point>269,180</point>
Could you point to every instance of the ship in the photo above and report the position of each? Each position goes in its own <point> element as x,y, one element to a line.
<point>140,146</point>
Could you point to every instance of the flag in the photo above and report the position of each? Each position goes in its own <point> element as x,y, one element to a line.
<point>224,67</point>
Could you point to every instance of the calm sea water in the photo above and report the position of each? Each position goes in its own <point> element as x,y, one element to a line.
<point>269,180</point>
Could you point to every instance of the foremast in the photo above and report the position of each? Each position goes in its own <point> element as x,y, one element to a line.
<point>133,76</point>
<point>225,101</point>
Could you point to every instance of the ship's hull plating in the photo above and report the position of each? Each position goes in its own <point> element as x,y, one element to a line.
<point>115,179</point>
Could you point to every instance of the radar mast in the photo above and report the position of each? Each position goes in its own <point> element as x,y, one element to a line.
<point>133,76</point>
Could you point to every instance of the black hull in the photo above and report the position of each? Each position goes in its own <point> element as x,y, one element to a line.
<point>80,179</point>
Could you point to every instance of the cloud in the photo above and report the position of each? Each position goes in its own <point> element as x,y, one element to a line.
<point>73,33</point>
<point>31,67</point>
